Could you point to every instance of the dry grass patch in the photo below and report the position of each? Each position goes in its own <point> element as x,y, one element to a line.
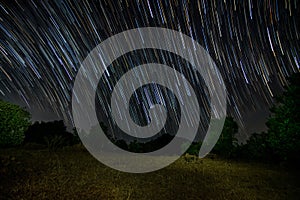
<point>73,173</point>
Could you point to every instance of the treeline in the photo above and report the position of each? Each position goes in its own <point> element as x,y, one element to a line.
<point>280,143</point>
<point>53,134</point>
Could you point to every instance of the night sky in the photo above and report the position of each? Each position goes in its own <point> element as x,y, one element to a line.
<point>255,45</point>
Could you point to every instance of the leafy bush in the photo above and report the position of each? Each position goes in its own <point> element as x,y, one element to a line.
<point>14,121</point>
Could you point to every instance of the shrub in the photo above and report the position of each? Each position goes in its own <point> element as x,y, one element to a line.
<point>53,134</point>
<point>14,121</point>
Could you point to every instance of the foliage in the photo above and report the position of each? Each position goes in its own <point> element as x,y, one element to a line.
<point>144,147</point>
<point>14,121</point>
<point>193,149</point>
<point>53,134</point>
<point>135,147</point>
<point>284,124</point>
<point>76,138</point>
<point>256,148</point>
<point>282,140</point>
<point>227,143</point>
<point>55,142</point>
<point>157,143</point>
<point>122,144</point>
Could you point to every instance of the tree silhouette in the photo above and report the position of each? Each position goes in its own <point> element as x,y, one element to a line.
<point>49,133</point>
<point>284,123</point>
<point>227,142</point>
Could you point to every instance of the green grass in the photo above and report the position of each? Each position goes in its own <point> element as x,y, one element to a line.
<point>73,173</point>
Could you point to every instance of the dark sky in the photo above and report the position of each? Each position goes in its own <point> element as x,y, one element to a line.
<point>255,45</point>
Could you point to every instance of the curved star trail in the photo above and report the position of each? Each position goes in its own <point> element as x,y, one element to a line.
<point>255,44</point>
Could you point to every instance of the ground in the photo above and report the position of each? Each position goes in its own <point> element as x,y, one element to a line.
<point>72,173</point>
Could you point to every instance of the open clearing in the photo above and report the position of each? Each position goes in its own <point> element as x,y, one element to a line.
<point>72,173</point>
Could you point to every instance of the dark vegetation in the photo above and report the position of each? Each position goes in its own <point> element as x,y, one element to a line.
<point>281,143</point>
<point>52,134</point>
<point>67,172</point>
<point>14,121</point>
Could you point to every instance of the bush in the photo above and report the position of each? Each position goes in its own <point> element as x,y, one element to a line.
<point>53,134</point>
<point>14,121</point>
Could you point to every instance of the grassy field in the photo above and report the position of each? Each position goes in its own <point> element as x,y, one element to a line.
<point>73,173</point>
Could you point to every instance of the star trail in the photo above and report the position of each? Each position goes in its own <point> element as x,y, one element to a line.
<point>255,44</point>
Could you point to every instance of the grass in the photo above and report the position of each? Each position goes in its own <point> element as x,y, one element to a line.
<point>72,173</point>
